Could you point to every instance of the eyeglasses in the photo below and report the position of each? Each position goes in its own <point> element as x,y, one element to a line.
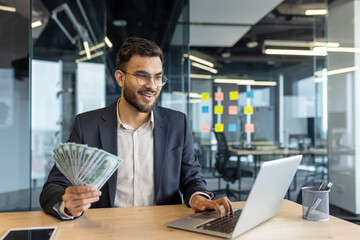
<point>143,79</point>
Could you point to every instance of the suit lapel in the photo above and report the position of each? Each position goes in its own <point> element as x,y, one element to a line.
<point>160,140</point>
<point>108,137</point>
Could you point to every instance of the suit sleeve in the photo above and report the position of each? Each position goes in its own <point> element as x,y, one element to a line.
<point>54,188</point>
<point>191,178</point>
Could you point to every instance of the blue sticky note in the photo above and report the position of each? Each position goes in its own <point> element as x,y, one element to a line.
<point>232,127</point>
<point>250,94</point>
<point>205,109</point>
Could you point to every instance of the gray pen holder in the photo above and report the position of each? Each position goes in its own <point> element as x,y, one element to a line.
<point>315,204</point>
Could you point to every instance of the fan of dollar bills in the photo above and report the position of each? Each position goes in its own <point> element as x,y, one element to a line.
<point>84,165</point>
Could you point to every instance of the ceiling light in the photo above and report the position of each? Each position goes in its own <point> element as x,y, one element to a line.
<point>252,44</point>
<point>195,95</point>
<point>87,50</point>
<point>343,70</point>
<point>326,44</point>
<point>36,24</point>
<point>100,45</point>
<point>119,23</point>
<point>245,82</point>
<point>91,57</point>
<point>306,44</point>
<point>338,49</point>
<point>8,9</point>
<point>108,42</point>
<point>226,54</point>
<point>264,83</point>
<point>202,76</point>
<point>316,12</point>
<point>204,67</point>
<point>200,60</point>
<point>314,52</point>
<point>234,81</point>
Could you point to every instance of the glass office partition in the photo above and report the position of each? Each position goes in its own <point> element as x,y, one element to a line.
<point>15,142</point>
<point>175,93</point>
<point>253,74</point>
<point>68,75</point>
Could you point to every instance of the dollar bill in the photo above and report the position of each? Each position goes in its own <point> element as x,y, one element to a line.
<point>84,165</point>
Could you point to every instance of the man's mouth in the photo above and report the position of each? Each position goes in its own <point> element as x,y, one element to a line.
<point>147,95</point>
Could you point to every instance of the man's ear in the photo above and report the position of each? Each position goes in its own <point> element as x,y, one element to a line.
<point>119,78</point>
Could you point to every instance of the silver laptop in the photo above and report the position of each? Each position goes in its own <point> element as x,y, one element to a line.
<point>267,193</point>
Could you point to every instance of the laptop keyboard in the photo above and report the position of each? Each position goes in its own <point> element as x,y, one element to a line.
<point>225,224</point>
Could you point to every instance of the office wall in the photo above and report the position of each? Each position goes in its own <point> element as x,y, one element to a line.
<point>343,107</point>
<point>15,162</point>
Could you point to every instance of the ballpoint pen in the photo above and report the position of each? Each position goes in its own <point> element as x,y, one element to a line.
<point>328,186</point>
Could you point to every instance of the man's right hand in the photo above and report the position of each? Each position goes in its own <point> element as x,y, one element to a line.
<point>79,198</point>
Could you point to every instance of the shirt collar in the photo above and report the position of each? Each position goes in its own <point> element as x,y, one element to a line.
<point>123,125</point>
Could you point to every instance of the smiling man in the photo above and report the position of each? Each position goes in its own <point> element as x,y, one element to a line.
<point>155,143</point>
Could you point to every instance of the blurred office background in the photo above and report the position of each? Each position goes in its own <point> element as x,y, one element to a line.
<point>258,79</point>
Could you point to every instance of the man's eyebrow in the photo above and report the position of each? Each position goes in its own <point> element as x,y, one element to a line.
<point>145,72</point>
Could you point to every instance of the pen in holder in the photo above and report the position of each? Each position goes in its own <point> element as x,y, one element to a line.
<point>315,203</point>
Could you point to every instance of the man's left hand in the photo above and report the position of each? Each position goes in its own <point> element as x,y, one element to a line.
<point>201,203</point>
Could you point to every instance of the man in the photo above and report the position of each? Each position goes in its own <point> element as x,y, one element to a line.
<point>155,143</point>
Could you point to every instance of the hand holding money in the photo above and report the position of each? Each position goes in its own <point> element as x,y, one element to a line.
<point>84,165</point>
<point>77,199</point>
<point>88,169</point>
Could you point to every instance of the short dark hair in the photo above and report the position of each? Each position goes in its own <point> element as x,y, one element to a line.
<point>136,46</point>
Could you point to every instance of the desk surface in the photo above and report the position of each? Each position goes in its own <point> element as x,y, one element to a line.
<point>243,152</point>
<point>149,223</point>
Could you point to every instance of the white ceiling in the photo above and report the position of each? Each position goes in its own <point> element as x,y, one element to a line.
<point>206,17</point>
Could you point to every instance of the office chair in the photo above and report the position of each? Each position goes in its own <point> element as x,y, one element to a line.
<point>227,170</point>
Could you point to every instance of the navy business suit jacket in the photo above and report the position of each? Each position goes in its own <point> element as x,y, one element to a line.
<point>176,167</point>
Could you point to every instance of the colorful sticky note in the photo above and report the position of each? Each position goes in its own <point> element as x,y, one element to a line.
<point>250,94</point>
<point>218,110</point>
<point>249,127</point>
<point>205,128</point>
<point>233,95</point>
<point>205,109</point>
<point>219,96</point>
<point>232,127</point>
<point>248,110</point>
<point>205,96</point>
<point>233,110</point>
<point>219,127</point>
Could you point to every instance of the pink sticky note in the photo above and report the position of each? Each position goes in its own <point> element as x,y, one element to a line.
<point>205,128</point>
<point>249,127</point>
<point>219,96</point>
<point>233,110</point>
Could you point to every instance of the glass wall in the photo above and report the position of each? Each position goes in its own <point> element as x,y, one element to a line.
<point>15,167</point>
<point>256,80</point>
<point>68,75</point>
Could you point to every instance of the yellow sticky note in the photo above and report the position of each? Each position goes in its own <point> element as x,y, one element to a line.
<point>219,127</point>
<point>248,110</point>
<point>218,110</point>
<point>205,96</point>
<point>233,95</point>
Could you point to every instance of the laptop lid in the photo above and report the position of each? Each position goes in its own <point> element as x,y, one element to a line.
<point>267,193</point>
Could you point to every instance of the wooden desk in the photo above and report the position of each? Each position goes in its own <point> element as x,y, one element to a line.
<point>285,152</point>
<point>149,223</point>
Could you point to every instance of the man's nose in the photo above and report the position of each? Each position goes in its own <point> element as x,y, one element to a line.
<point>151,83</point>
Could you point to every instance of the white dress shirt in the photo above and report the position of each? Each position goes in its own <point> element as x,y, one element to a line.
<point>135,180</point>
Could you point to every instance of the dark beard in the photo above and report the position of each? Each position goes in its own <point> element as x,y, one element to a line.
<point>130,97</point>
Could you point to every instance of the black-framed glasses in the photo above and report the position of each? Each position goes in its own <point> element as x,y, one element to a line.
<point>143,78</point>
